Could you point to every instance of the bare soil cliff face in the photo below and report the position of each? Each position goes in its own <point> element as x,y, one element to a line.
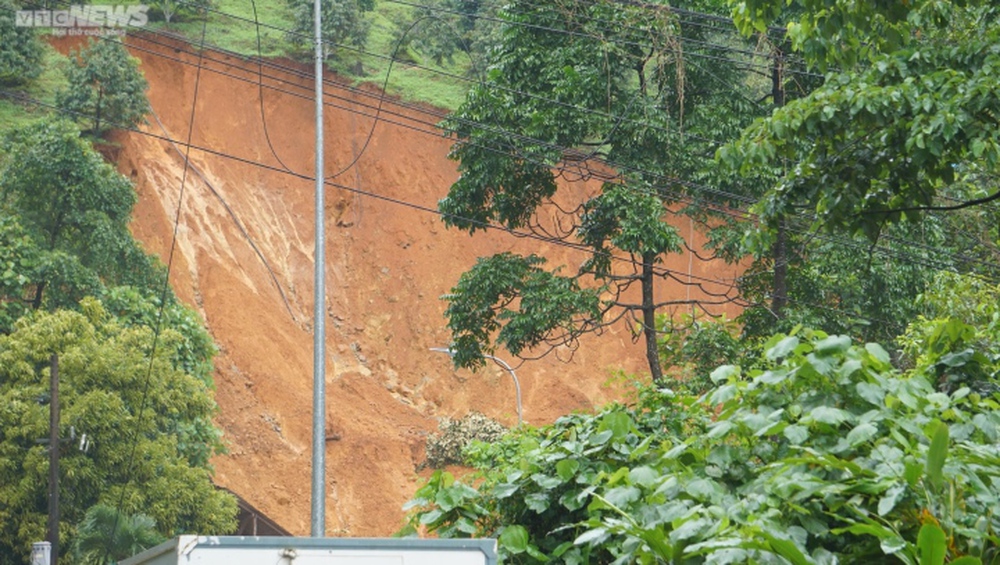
<point>388,265</point>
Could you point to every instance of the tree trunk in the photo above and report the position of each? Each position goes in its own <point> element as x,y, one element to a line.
<point>779,296</point>
<point>36,302</point>
<point>97,112</point>
<point>649,319</point>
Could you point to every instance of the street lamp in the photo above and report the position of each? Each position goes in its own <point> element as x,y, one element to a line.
<point>502,363</point>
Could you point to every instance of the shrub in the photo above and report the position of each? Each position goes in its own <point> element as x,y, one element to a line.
<point>447,447</point>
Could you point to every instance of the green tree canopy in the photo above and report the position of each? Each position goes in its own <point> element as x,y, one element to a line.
<point>106,87</point>
<point>103,367</point>
<point>905,123</point>
<point>566,87</point>
<point>343,21</point>
<point>64,216</point>
<point>20,48</point>
<point>441,28</point>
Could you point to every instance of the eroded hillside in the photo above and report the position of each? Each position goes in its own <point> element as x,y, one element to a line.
<point>388,265</point>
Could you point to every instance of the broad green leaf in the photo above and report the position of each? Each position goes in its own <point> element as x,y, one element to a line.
<point>537,501</point>
<point>861,433</point>
<point>889,500</point>
<point>574,499</point>
<point>619,423</point>
<point>657,542</point>
<point>913,470</point>
<point>622,497</point>
<point>796,434</point>
<point>689,528</point>
<point>644,476</point>
<point>702,488</point>
<point>932,545</point>
<point>514,539</point>
<point>601,438</point>
<point>428,518</point>
<point>828,415</point>
<point>719,429</point>
<point>567,468</point>
<point>591,536</point>
<point>936,454</point>
<point>504,490</point>
<point>723,373</point>
<point>871,393</point>
<point>893,544</point>
<point>723,394</point>
<point>784,347</point>
<point>545,481</point>
<point>786,549</point>
<point>832,345</point>
<point>878,352</point>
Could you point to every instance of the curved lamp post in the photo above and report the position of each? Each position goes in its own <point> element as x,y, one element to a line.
<point>502,363</point>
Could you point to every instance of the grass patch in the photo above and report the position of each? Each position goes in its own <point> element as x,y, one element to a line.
<point>409,81</point>
<point>15,114</point>
<point>231,27</point>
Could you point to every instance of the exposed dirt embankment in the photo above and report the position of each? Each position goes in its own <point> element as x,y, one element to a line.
<point>388,265</point>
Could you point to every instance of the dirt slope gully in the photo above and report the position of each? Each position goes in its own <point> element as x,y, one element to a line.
<point>245,231</point>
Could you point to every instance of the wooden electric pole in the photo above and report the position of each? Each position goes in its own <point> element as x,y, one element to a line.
<point>53,535</point>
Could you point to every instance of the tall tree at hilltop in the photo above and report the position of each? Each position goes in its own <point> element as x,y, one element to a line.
<point>106,88</point>
<point>344,23</point>
<point>633,94</point>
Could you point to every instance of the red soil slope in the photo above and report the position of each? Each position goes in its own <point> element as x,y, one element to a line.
<point>388,265</point>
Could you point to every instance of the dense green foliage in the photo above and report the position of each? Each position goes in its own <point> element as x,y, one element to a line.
<point>566,86</point>
<point>73,282</point>
<point>901,125</point>
<point>912,108</point>
<point>64,217</point>
<point>129,536</point>
<point>343,21</point>
<point>442,28</point>
<point>106,87</point>
<point>103,368</point>
<point>547,303</point>
<point>20,48</point>
<point>824,453</point>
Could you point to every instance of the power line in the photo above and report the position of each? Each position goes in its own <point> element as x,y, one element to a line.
<point>740,214</point>
<point>743,216</point>
<point>585,35</point>
<point>660,271</point>
<point>164,293</point>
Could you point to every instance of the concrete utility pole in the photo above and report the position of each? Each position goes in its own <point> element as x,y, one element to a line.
<point>318,521</point>
<point>53,529</point>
